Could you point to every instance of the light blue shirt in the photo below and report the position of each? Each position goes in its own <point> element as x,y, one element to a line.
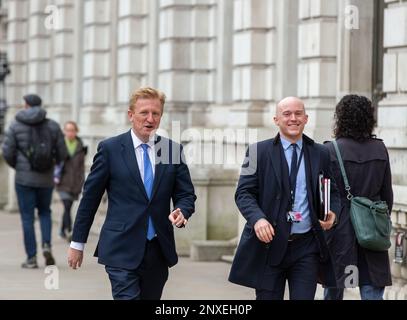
<point>301,198</point>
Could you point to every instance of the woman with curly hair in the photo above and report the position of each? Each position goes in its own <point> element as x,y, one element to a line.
<point>367,167</point>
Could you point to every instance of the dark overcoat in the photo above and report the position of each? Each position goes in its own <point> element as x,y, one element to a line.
<point>263,192</point>
<point>368,170</point>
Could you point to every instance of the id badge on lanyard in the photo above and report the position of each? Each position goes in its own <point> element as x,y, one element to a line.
<point>292,215</point>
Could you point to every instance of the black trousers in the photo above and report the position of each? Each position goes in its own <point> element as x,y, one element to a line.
<point>144,283</point>
<point>66,218</point>
<point>299,267</point>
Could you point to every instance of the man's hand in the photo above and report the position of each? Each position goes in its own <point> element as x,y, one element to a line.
<point>328,224</point>
<point>177,218</point>
<point>75,258</point>
<point>264,231</point>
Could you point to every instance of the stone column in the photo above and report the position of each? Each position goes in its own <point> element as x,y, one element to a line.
<point>39,52</point>
<point>218,112</point>
<point>253,61</point>
<point>186,64</point>
<point>77,68</point>
<point>77,51</point>
<point>132,52</point>
<point>203,51</point>
<point>153,42</point>
<point>63,50</point>
<point>224,45</point>
<point>96,63</point>
<point>285,48</point>
<point>285,83</point>
<point>317,52</point>
<point>392,123</point>
<point>355,31</point>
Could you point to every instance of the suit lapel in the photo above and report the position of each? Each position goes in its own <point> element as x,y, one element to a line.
<point>312,160</point>
<point>276,156</point>
<point>285,172</point>
<point>130,159</point>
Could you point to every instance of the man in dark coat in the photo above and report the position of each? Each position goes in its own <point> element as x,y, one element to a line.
<point>278,195</point>
<point>33,188</point>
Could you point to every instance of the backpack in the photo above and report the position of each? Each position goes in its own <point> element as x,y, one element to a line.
<point>40,153</point>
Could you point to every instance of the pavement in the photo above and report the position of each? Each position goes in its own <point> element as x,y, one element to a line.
<point>188,280</point>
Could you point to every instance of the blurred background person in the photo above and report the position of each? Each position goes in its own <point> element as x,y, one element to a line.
<point>33,144</point>
<point>69,176</point>
<point>367,166</point>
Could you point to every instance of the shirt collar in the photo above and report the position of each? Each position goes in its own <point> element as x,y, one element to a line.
<point>137,142</point>
<point>286,144</point>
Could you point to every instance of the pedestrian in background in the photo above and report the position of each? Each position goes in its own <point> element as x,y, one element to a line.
<point>69,176</point>
<point>367,167</point>
<point>33,145</point>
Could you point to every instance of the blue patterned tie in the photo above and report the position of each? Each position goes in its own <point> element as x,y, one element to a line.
<point>148,185</point>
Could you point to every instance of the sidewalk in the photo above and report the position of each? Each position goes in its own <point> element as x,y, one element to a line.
<point>188,279</point>
<point>90,282</point>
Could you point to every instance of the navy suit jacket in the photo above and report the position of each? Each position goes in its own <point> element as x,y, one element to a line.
<point>123,234</point>
<point>263,192</point>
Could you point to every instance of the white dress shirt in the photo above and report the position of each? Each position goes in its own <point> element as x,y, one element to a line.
<point>140,161</point>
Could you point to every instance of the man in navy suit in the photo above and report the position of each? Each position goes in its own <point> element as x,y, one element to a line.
<point>141,173</point>
<point>283,239</point>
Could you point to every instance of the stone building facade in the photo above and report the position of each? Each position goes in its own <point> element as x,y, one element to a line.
<point>223,65</point>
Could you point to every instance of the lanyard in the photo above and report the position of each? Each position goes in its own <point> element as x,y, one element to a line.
<point>294,187</point>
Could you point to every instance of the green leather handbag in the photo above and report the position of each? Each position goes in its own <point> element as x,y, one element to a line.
<point>370,219</point>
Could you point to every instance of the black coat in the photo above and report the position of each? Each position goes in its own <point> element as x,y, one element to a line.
<point>368,170</point>
<point>262,192</point>
<point>18,138</point>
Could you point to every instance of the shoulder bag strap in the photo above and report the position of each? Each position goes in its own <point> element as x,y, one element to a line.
<point>345,178</point>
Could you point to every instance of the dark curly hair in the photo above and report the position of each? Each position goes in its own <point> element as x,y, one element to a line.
<point>354,118</point>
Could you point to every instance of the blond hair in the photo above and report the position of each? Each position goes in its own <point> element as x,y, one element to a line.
<point>146,93</point>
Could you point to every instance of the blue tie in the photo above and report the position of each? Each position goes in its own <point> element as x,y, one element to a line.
<point>148,185</point>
